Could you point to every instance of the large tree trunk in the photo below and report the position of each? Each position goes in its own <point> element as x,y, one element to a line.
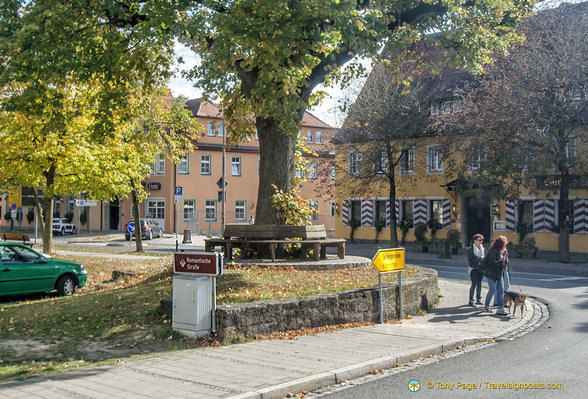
<point>277,167</point>
<point>392,198</point>
<point>564,219</point>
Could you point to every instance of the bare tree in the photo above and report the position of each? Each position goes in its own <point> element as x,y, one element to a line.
<point>528,112</point>
<point>382,125</point>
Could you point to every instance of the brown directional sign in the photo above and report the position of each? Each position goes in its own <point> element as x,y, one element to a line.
<point>389,260</point>
<point>209,264</point>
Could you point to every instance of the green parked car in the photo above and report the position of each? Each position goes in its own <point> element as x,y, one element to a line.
<point>24,270</point>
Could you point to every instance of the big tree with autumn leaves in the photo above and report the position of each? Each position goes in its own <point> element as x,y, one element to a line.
<point>75,77</point>
<point>265,58</point>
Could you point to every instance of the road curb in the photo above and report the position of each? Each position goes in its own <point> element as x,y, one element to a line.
<point>341,375</point>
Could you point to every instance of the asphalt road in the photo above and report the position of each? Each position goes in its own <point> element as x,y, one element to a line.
<point>553,354</point>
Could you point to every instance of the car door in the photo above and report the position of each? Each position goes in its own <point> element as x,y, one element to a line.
<point>24,270</point>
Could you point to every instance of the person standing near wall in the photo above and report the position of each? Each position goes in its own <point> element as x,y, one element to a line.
<point>475,256</point>
<point>496,263</point>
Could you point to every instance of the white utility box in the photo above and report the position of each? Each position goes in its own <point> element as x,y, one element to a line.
<point>192,304</point>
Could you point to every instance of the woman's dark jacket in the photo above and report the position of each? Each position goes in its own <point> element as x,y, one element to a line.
<point>474,261</point>
<point>495,265</point>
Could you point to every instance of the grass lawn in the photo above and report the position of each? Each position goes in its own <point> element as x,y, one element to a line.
<point>107,320</point>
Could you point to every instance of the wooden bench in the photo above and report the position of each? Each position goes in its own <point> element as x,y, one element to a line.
<point>23,238</point>
<point>308,237</point>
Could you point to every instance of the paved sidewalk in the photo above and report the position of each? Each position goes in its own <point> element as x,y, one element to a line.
<point>274,368</point>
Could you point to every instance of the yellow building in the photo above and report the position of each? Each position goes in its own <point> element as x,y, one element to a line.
<point>425,194</point>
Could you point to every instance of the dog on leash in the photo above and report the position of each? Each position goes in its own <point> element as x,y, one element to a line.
<point>516,299</point>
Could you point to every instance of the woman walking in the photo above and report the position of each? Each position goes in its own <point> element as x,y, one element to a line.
<point>475,256</point>
<point>496,262</point>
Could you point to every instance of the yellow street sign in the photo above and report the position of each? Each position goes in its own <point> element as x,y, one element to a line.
<point>389,260</point>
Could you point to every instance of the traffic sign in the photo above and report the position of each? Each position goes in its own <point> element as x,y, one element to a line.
<point>219,183</point>
<point>131,227</point>
<point>389,260</point>
<point>13,207</point>
<point>178,195</point>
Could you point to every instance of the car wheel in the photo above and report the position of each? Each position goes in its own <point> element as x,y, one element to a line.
<point>150,235</point>
<point>128,238</point>
<point>66,286</point>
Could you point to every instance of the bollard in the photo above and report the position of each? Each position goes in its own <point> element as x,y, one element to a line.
<point>187,237</point>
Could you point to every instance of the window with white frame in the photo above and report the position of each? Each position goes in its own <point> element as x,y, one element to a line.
<point>521,157</point>
<point>355,163</point>
<point>476,156</point>
<point>319,137</point>
<point>406,165</point>
<point>332,172</point>
<point>235,166</point>
<point>184,166</point>
<point>160,162</point>
<point>221,129</point>
<point>152,166</point>
<point>313,170</point>
<point>189,210</point>
<point>156,209</point>
<point>570,150</point>
<point>332,208</point>
<point>205,160</point>
<point>210,129</point>
<point>434,159</point>
<point>380,162</point>
<point>240,208</point>
<point>310,136</point>
<point>210,210</point>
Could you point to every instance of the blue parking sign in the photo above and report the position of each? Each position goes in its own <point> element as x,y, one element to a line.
<point>178,190</point>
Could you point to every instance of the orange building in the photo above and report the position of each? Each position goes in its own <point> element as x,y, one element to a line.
<point>199,175</point>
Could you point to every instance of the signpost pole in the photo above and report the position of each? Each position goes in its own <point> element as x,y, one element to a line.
<point>381,321</point>
<point>400,315</point>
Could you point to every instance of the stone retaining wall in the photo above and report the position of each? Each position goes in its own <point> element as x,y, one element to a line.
<point>265,317</point>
